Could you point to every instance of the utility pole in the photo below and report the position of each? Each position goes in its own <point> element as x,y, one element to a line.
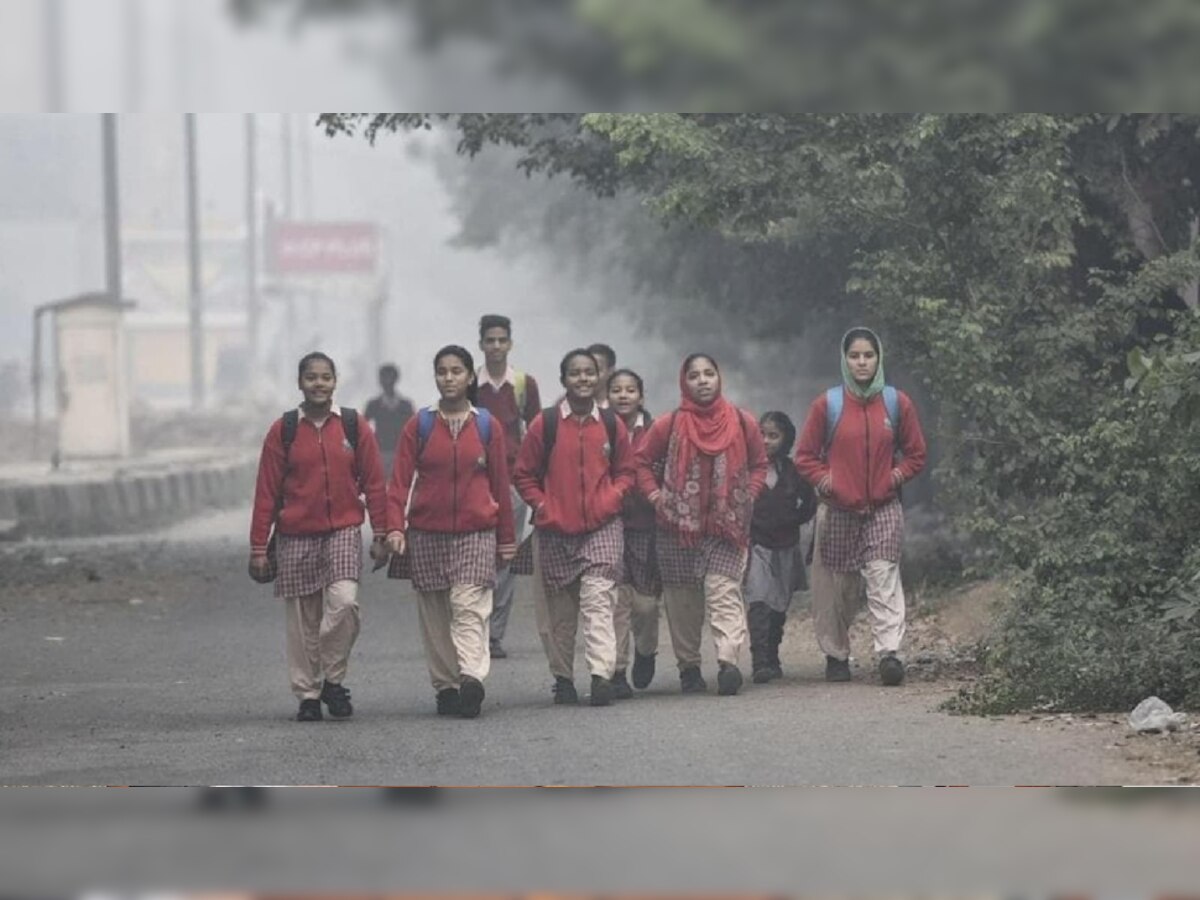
<point>53,75</point>
<point>289,209</point>
<point>112,206</point>
<point>252,310</point>
<point>195,296</point>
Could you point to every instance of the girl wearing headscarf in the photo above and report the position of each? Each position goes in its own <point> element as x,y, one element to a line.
<point>860,442</point>
<point>713,466</point>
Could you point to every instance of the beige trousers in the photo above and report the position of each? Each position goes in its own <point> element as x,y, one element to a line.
<point>454,629</point>
<point>719,600</point>
<point>836,597</point>
<point>321,630</point>
<point>557,614</point>
<point>636,617</point>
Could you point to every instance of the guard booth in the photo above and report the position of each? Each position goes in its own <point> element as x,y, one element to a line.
<point>91,379</point>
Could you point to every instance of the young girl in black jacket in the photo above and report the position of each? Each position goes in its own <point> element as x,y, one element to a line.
<point>776,567</point>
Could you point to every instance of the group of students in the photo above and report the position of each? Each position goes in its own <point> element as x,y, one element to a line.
<point>697,511</point>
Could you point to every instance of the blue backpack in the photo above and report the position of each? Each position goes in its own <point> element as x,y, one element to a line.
<point>835,400</point>
<point>426,417</point>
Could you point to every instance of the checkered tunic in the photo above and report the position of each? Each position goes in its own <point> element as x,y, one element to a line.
<point>436,561</point>
<point>567,557</point>
<point>688,565</point>
<point>641,566</point>
<point>311,562</point>
<point>850,540</point>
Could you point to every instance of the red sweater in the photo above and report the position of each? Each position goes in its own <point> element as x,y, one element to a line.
<point>461,486</point>
<point>502,404</point>
<point>638,512</point>
<point>861,456</point>
<point>652,454</point>
<point>323,482</point>
<point>581,490</point>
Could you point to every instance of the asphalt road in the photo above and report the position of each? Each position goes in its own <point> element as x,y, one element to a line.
<point>154,660</point>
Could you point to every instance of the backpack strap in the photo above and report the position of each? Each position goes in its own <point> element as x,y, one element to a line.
<point>425,419</point>
<point>549,435</point>
<point>834,401</point>
<point>609,417</point>
<point>291,422</point>
<point>519,392</point>
<point>350,425</point>
<point>483,425</point>
<point>891,403</point>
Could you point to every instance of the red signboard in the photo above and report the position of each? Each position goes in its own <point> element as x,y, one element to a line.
<point>322,248</point>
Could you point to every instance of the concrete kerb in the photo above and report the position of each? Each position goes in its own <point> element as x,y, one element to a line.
<point>134,497</point>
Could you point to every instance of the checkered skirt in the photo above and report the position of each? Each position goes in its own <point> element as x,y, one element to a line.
<point>678,564</point>
<point>436,561</point>
<point>567,557</point>
<point>311,562</point>
<point>850,540</point>
<point>641,566</point>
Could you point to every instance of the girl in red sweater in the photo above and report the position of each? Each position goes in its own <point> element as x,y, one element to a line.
<point>450,510</point>
<point>857,461</point>
<point>713,465</point>
<point>576,487</point>
<point>310,490</point>
<point>638,595</point>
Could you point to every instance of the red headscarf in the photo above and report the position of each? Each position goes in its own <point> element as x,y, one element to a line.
<point>716,430</point>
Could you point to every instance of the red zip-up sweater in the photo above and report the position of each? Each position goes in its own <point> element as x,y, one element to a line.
<point>637,511</point>
<point>461,486</point>
<point>323,482</point>
<point>861,455</point>
<point>578,493</point>
<point>652,453</point>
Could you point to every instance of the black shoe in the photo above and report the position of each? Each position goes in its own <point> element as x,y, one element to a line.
<point>776,671</point>
<point>729,679</point>
<point>643,670</point>
<point>564,691</point>
<point>891,670</point>
<point>310,711</point>
<point>337,698</point>
<point>448,702</point>
<point>602,691</point>
<point>760,675</point>
<point>470,695</point>
<point>837,669</point>
<point>691,681</point>
<point>495,651</point>
<point>620,686</point>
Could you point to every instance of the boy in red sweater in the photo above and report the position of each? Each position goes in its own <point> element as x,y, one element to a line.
<point>576,488</point>
<point>511,396</point>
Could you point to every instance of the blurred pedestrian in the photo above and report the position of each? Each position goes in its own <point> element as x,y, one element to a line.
<point>387,412</point>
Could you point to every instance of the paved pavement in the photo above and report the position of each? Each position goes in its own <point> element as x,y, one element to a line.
<point>154,660</point>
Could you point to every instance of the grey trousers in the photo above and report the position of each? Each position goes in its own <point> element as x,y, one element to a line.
<point>506,581</point>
